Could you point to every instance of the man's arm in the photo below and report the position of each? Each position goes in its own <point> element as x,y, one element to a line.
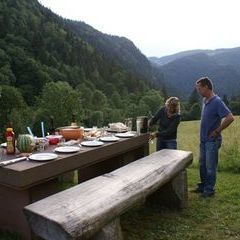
<point>224,124</point>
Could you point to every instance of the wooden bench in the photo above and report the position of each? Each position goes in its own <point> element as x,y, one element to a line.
<point>91,210</point>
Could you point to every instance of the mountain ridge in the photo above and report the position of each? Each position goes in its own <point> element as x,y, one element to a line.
<point>181,70</point>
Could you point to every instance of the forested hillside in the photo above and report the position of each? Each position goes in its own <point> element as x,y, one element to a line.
<point>53,66</point>
<point>118,49</point>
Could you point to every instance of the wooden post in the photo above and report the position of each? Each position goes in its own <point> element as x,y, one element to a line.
<point>111,231</point>
<point>173,194</point>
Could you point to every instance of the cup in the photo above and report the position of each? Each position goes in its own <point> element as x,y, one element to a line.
<point>128,123</point>
<point>40,143</point>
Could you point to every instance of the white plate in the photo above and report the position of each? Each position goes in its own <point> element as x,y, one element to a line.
<point>91,143</point>
<point>109,139</point>
<point>3,145</point>
<point>43,156</point>
<point>125,135</point>
<point>88,129</point>
<point>67,149</point>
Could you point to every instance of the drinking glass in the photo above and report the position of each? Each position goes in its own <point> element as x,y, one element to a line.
<point>128,123</point>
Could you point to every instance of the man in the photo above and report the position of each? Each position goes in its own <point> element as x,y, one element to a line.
<point>214,119</point>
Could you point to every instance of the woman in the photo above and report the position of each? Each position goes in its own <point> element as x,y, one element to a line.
<point>168,118</point>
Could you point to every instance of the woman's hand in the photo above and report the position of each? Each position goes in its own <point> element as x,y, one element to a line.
<point>152,136</point>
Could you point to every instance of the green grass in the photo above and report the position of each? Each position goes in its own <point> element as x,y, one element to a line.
<point>215,218</point>
<point>229,160</point>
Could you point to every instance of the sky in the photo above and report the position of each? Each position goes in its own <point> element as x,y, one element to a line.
<point>159,27</point>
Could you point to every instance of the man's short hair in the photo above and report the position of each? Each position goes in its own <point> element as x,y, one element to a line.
<point>205,81</point>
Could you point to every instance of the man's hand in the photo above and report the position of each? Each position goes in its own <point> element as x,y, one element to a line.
<point>214,133</point>
<point>224,124</point>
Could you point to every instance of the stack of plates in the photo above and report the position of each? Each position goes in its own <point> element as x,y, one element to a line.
<point>92,143</point>
<point>125,135</point>
<point>109,139</point>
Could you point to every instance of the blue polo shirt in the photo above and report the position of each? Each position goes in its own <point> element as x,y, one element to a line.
<point>212,113</point>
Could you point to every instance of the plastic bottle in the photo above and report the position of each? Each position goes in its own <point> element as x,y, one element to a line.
<point>10,138</point>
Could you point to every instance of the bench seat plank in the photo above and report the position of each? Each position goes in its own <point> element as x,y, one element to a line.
<point>86,208</point>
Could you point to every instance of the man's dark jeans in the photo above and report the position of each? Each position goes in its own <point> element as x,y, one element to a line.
<point>208,162</point>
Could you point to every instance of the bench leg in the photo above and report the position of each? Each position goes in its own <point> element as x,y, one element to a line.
<point>173,195</point>
<point>112,231</point>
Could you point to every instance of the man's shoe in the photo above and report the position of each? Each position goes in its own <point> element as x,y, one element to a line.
<point>207,194</point>
<point>196,190</point>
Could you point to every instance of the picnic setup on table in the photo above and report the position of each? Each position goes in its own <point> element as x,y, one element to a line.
<point>110,166</point>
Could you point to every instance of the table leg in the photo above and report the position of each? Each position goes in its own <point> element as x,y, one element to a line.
<point>11,214</point>
<point>13,201</point>
<point>111,164</point>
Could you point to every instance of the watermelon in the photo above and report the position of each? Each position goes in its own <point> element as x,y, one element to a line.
<point>25,143</point>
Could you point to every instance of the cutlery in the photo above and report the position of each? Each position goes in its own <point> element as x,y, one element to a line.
<point>7,162</point>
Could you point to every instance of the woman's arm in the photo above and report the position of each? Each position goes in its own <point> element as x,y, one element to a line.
<point>171,128</point>
<point>155,118</point>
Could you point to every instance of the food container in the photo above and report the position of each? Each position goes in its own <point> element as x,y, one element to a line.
<point>54,139</point>
<point>142,124</point>
<point>71,133</point>
<point>40,143</point>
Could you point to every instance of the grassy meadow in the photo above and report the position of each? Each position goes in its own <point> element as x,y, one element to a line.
<point>229,160</point>
<point>217,218</point>
<point>214,218</point>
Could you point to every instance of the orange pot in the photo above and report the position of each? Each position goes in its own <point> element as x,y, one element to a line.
<point>71,133</point>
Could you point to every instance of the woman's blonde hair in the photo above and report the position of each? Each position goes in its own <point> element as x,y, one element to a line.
<point>173,105</point>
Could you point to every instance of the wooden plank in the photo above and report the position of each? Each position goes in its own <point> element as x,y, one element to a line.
<point>84,209</point>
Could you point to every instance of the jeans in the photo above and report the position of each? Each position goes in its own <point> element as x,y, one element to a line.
<point>169,144</point>
<point>208,162</point>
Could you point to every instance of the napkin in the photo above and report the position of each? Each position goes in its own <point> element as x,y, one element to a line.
<point>7,162</point>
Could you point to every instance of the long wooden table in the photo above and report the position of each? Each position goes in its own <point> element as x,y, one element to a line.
<point>25,182</point>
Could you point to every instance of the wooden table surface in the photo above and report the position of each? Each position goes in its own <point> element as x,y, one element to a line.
<point>28,181</point>
<point>27,173</point>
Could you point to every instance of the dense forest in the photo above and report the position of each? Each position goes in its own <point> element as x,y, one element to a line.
<point>48,68</point>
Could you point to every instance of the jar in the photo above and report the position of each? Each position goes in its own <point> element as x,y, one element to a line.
<point>142,124</point>
<point>128,123</point>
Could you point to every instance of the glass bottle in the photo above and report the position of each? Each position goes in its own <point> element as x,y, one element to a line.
<point>74,122</point>
<point>52,129</point>
<point>10,139</point>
